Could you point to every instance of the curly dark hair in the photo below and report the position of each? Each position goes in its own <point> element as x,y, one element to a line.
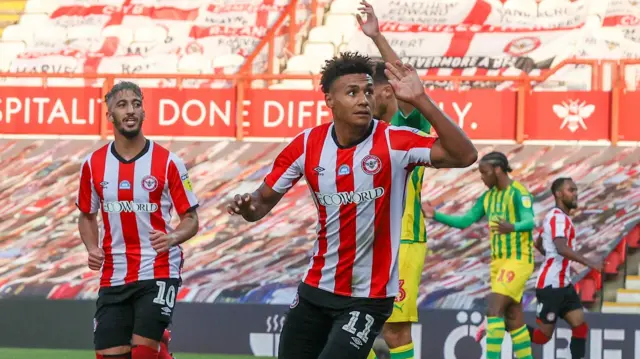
<point>345,64</point>
<point>123,86</point>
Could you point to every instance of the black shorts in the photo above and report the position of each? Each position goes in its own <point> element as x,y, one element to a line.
<point>322,325</point>
<point>554,303</point>
<point>143,308</point>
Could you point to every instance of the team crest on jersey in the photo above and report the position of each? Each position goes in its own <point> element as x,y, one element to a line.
<point>124,185</point>
<point>371,164</point>
<point>149,183</point>
<point>295,302</point>
<point>344,170</point>
<point>526,202</point>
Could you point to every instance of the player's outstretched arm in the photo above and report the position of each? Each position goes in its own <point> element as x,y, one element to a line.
<point>253,207</point>
<point>453,149</point>
<point>371,28</point>
<point>539,246</point>
<point>566,251</point>
<point>472,216</point>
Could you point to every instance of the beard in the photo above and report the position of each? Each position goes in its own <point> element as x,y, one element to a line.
<point>129,133</point>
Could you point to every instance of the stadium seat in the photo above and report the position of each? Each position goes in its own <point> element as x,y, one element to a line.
<point>299,64</point>
<point>150,34</point>
<point>318,52</point>
<point>229,63</point>
<point>325,34</point>
<point>195,64</point>
<point>344,24</point>
<point>33,20</point>
<point>124,34</point>
<point>344,6</point>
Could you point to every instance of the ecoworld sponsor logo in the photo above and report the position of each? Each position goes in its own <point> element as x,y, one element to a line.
<point>344,198</point>
<point>129,206</point>
<point>266,344</point>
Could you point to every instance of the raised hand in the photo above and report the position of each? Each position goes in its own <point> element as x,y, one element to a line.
<point>241,205</point>
<point>405,81</point>
<point>369,26</point>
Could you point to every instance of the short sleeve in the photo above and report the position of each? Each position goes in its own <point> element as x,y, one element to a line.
<point>412,146</point>
<point>414,120</point>
<point>288,166</point>
<point>180,186</point>
<point>88,200</point>
<point>557,226</point>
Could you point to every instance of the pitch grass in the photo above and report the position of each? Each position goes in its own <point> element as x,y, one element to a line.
<point>15,353</point>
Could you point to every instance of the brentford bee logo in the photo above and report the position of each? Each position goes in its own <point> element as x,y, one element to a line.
<point>522,46</point>
<point>573,113</point>
<point>149,183</point>
<point>371,164</point>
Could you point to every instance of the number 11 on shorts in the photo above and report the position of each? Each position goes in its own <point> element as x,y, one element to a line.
<point>351,326</point>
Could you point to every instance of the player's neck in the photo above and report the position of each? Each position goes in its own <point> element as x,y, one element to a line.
<point>128,148</point>
<point>563,208</point>
<point>347,135</point>
<point>504,182</point>
<point>389,113</point>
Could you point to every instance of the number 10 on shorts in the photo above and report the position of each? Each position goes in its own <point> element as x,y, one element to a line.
<point>169,299</point>
<point>351,326</point>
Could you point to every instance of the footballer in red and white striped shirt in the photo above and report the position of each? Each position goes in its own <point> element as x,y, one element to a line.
<point>356,168</point>
<point>557,298</point>
<point>135,184</point>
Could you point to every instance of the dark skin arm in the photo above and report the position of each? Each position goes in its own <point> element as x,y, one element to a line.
<point>452,149</point>
<point>539,246</point>
<point>370,27</point>
<point>253,207</point>
<point>187,228</point>
<point>565,251</point>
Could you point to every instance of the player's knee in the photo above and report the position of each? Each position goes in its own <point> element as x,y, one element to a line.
<point>397,334</point>
<point>581,331</point>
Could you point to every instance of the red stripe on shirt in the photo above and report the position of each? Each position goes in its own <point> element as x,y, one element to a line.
<point>129,223</point>
<point>316,140</point>
<point>286,158</point>
<point>159,159</point>
<point>347,247</point>
<point>545,271</point>
<point>84,191</point>
<point>565,261</point>
<point>98,164</point>
<point>381,266</point>
<point>404,140</point>
<point>176,189</point>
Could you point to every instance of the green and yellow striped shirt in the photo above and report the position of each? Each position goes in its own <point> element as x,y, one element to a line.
<point>413,226</point>
<point>513,204</point>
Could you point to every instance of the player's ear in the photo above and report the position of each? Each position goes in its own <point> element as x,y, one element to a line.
<point>328,99</point>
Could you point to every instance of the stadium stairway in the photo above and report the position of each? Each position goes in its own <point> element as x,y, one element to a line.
<point>622,293</point>
<point>10,11</point>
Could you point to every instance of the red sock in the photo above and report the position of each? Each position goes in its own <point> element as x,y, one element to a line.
<point>539,337</point>
<point>113,356</point>
<point>143,352</point>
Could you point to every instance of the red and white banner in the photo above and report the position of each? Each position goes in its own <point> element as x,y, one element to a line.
<point>50,111</point>
<point>280,114</point>
<point>568,115</point>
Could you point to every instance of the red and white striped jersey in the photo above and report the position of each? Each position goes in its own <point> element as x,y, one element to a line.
<point>555,270</point>
<point>135,197</point>
<point>359,194</point>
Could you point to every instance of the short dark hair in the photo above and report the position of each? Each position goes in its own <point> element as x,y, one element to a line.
<point>122,86</point>
<point>379,77</point>
<point>346,63</point>
<point>497,159</point>
<point>557,184</point>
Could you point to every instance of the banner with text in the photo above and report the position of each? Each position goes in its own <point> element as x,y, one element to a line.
<point>282,114</point>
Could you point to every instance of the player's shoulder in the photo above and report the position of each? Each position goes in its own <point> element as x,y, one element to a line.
<point>520,188</point>
<point>101,151</point>
<point>163,152</point>
<point>556,213</point>
<point>403,129</point>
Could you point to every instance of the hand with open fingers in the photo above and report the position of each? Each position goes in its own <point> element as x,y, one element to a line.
<point>429,210</point>
<point>241,205</point>
<point>405,81</point>
<point>502,226</point>
<point>96,258</point>
<point>160,241</point>
<point>369,26</point>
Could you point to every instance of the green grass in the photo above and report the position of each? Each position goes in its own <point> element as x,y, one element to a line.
<point>14,353</point>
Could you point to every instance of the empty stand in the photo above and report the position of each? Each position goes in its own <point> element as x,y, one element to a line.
<point>234,261</point>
